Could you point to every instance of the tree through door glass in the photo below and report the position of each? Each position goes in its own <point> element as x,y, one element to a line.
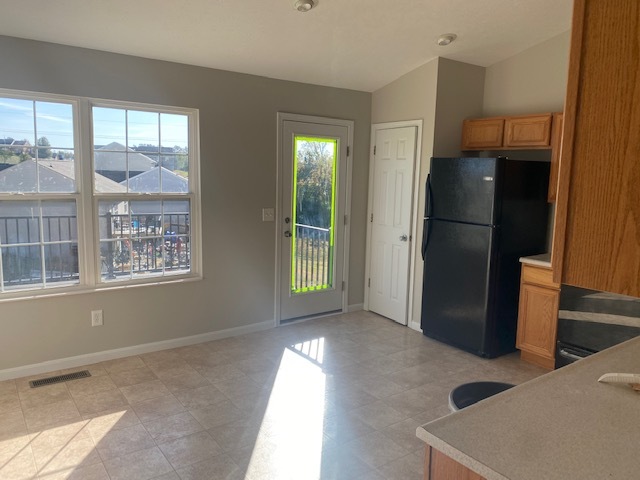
<point>314,194</point>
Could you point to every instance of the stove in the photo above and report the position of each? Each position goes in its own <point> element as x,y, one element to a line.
<point>590,321</point>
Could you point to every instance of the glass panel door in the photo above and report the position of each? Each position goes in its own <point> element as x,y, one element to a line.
<point>313,166</point>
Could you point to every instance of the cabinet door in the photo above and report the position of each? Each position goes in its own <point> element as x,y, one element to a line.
<point>598,210</point>
<point>528,131</point>
<point>537,322</point>
<point>482,133</point>
<point>556,144</point>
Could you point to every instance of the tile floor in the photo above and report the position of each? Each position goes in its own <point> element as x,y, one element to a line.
<point>333,398</point>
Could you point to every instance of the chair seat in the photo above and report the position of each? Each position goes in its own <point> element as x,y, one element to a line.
<point>469,393</point>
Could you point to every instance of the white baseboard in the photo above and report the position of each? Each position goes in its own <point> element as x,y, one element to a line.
<point>91,358</point>
<point>415,326</point>
<point>356,307</point>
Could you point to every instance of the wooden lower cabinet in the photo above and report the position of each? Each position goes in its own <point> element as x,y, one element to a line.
<point>437,466</point>
<point>538,316</point>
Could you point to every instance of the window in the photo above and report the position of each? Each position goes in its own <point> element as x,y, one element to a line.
<point>142,153</point>
<point>119,211</point>
<point>38,229</point>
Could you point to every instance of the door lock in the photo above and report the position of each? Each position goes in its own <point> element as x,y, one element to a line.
<point>287,234</point>
<point>287,220</point>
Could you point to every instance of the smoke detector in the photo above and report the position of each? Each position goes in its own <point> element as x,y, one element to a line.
<point>304,5</point>
<point>446,38</point>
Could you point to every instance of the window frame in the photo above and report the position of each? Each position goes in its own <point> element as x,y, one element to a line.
<point>87,199</point>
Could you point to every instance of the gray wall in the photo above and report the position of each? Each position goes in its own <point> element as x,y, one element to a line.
<point>238,167</point>
<point>534,81</point>
<point>412,97</point>
<point>441,93</point>
<point>460,92</point>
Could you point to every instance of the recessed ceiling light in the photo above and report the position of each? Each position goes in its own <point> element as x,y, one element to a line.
<point>304,5</point>
<point>446,38</point>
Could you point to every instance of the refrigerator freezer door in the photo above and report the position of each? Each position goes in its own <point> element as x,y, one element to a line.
<point>457,292</point>
<point>463,190</point>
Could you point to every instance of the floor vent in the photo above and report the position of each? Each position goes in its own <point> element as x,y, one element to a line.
<point>59,379</point>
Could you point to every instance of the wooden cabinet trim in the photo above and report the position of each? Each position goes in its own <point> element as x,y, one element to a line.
<point>556,148</point>
<point>568,130</point>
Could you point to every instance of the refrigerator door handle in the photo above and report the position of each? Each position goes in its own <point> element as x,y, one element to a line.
<point>425,236</point>
<point>428,201</point>
<point>426,230</point>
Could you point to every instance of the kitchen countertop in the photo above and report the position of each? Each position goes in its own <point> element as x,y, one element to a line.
<point>542,260</point>
<point>561,425</point>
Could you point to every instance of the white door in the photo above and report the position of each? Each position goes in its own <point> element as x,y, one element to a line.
<point>314,167</point>
<point>390,218</point>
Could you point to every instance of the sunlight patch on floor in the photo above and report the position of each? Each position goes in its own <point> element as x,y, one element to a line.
<point>294,415</point>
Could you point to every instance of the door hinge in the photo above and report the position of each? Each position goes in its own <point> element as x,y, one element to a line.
<point>371,218</point>
<point>374,149</point>
<point>343,285</point>
<point>345,219</point>
<point>348,150</point>
<point>369,283</point>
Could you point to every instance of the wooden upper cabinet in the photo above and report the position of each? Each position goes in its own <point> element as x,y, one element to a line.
<point>527,131</point>
<point>508,133</point>
<point>482,133</point>
<point>597,226</point>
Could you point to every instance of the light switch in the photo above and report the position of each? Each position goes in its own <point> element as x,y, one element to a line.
<point>268,214</point>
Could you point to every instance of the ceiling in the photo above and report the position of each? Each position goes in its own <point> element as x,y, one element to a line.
<point>355,44</point>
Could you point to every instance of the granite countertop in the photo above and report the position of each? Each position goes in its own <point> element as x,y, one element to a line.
<point>562,425</point>
<point>542,260</point>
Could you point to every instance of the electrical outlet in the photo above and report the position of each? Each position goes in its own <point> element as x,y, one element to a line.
<point>96,318</point>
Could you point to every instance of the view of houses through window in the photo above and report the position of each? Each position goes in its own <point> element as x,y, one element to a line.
<point>135,153</point>
<point>142,153</point>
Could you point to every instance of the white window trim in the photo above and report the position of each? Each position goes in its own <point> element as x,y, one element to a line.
<point>87,199</point>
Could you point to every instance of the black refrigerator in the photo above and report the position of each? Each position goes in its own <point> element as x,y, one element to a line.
<point>481,216</point>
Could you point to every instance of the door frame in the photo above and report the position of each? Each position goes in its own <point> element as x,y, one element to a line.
<point>413,255</point>
<point>349,124</point>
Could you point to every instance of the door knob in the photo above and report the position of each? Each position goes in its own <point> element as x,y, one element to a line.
<point>287,234</point>
<point>403,238</point>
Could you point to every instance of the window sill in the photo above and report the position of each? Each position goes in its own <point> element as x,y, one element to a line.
<point>83,290</point>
